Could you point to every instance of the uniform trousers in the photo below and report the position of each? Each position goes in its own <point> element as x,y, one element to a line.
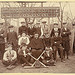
<point>66,46</point>
<point>7,63</point>
<point>2,49</point>
<point>56,48</point>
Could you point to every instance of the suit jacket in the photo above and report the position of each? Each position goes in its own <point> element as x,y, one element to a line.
<point>56,41</point>
<point>2,41</point>
<point>38,31</point>
<point>66,35</point>
<point>23,29</point>
<point>12,38</point>
<point>53,32</point>
<point>36,44</point>
<point>47,42</point>
<point>31,31</point>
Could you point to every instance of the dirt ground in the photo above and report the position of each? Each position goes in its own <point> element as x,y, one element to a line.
<point>67,67</point>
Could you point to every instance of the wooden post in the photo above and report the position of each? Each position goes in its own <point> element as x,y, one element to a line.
<point>17,25</point>
<point>61,14</point>
<point>6,27</point>
<point>24,5</point>
<point>49,24</point>
<point>41,4</point>
<point>61,18</point>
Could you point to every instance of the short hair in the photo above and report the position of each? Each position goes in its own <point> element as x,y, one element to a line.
<point>55,23</point>
<point>73,24</point>
<point>22,22</point>
<point>64,23</point>
<point>11,26</point>
<point>1,24</point>
<point>43,21</point>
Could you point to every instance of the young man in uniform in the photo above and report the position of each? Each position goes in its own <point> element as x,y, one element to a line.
<point>66,40</point>
<point>48,55</point>
<point>55,30</point>
<point>57,46</point>
<point>23,39</point>
<point>38,29</point>
<point>23,28</point>
<point>31,30</point>
<point>10,57</point>
<point>12,38</point>
<point>2,41</point>
<point>57,41</point>
<point>36,46</point>
<point>23,56</point>
<point>45,28</point>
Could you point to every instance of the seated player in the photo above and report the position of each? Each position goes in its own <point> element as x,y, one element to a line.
<point>36,46</point>
<point>23,39</point>
<point>48,55</point>
<point>24,57</point>
<point>10,57</point>
<point>56,43</point>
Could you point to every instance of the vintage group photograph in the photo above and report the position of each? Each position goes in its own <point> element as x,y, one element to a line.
<point>37,37</point>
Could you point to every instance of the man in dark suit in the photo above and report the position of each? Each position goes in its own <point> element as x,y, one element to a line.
<point>36,45</point>
<point>65,37</point>
<point>57,46</point>
<point>55,30</point>
<point>23,56</point>
<point>2,41</point>
<point>48,55</point>
<point>31,30</point>
<point>38,29</point>
<point>12,38</point>
<point>23,28</point>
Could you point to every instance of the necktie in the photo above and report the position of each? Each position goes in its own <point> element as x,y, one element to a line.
<point>9,55</point>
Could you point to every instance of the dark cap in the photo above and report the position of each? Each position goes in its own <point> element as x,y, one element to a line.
<point>64,23</point>
<point>43,21</point>
<point>36,33</point>
<point>22,22</point>
<point>1,23</point>
<point>30,23</point>
<point>23,32</point>
<point>73,24</point>
<point>11,26</point>
<point>55,23</point>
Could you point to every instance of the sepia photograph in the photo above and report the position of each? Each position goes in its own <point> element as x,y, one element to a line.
<point>37,36</point>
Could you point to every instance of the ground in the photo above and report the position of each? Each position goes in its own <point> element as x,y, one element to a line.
<point>67,67</point>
